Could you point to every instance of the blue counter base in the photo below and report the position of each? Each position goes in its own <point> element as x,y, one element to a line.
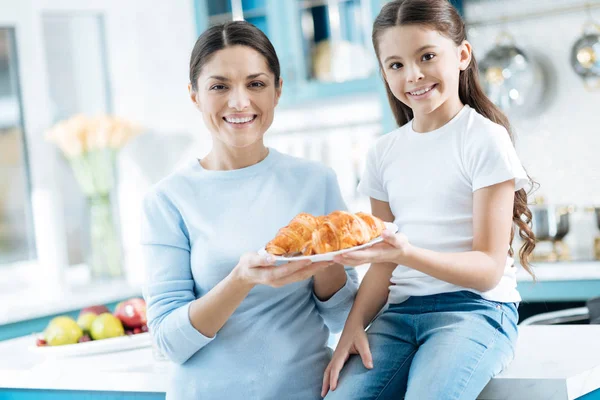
<point>595,395</point>
<point>27,394</point>
<point>22,394</point>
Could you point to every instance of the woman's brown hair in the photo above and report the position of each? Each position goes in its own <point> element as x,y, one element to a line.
<point>233,33</point>
<point>443,17</point>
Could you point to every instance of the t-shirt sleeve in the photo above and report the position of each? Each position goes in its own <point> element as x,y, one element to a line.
<point>491,158</point>
<point>169,288</point>
<point>371,183</point>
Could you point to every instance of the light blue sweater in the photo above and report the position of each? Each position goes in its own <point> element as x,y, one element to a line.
<point>196,225</point>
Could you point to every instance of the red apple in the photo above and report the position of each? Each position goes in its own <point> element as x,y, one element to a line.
<point>132,312</point>
<point>97,310</point>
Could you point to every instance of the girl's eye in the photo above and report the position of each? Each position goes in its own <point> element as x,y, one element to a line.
<point>217,87</point>
<point>428,57</point>
<point>395,65</point>
<point>257,84</point>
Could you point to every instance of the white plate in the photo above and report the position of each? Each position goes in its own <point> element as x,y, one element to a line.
<point>279,260</point>
<point>110,345</point>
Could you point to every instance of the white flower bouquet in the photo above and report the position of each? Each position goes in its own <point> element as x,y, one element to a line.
<point>91,144</point>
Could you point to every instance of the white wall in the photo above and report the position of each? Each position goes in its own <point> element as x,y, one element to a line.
<point>560,146</point>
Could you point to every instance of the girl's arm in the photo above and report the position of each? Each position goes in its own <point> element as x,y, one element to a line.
<point>479,269</point>
<point>374,288</point>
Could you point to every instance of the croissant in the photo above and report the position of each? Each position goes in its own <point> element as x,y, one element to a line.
<point>341,230</point>
<point>294,237</point>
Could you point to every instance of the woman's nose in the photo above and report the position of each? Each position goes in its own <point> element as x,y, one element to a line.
<point>239,99</point>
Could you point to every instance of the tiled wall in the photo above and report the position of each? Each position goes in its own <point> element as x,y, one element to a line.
<point>558,144</point>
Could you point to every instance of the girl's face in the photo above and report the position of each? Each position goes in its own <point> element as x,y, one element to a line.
<point>237,96</point>
<point>421,66</point>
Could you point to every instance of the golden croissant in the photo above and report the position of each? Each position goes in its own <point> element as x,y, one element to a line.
<point>342,230</point>
<point>294,237</point>
<point>317,235</point>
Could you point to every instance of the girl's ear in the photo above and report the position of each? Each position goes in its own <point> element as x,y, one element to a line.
<point>464,55</point>
<point>194,96</point>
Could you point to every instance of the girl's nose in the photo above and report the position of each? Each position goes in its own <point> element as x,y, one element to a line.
<point>414,74</point>
<point>239,99</point>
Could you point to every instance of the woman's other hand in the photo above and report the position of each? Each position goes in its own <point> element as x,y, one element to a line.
<point>255,269</point>
<point>353,341</point>
<point>392,250</point>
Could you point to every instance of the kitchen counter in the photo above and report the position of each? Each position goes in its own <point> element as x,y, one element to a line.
<point>560,281</point>
<point>552,363</point>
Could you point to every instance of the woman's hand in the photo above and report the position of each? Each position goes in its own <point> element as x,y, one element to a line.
<point>392,250</point>
<point>254,269</point>
<point>353,341</point>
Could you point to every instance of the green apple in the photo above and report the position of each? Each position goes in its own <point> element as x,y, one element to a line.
<point>85,321</point>
<point>106,326</point>
<point>62,330</point>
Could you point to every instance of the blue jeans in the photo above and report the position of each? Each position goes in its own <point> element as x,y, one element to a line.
<point>438,347</point>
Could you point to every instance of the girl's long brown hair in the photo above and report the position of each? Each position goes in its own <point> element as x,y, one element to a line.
<point>443,17</point>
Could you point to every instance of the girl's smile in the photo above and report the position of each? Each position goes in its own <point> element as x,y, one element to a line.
<point>423,92</point>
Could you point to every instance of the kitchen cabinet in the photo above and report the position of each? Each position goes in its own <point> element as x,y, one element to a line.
<point>324,46</point>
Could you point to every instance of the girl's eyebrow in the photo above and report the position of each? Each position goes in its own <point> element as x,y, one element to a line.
<point>420,49</point>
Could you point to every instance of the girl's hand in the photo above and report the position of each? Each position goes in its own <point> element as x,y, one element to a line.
<point>254,269</point>
<point>393,248</point>
<point>353,341</point>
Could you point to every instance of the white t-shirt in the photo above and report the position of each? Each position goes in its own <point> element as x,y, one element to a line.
<point>429,179</point>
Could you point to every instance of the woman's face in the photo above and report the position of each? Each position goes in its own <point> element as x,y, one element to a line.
<point>237,96</point>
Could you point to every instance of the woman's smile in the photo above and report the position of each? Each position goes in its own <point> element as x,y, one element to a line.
<point>240,121</point>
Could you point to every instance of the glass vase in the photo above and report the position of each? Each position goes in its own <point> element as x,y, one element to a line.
<point>105,256</point>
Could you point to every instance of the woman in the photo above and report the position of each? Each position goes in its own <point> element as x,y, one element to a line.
<point>236,325</point>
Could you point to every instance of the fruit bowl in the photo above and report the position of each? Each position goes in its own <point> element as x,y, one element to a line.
<point>110,345</point>
<point>96,330</point>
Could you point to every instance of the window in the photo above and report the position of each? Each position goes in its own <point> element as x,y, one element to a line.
<point>76,63</point>
<point>16,227</point>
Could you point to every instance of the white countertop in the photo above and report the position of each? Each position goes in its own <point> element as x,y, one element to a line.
<point>552,363</point>
<point>562,271</point>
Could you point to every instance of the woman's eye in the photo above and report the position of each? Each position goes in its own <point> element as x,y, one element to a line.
<point>257,84</point>
<point>217,87</point>
<point>395,65</point>
<point>428,56</point>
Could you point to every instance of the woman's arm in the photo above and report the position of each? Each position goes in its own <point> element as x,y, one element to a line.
<point>180,323</point>
<point>479,269</point>
<point>329,282</point>
<point>209,313</point>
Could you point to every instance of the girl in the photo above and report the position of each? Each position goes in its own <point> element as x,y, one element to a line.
<point>450,178</point>
<point>236,326</point>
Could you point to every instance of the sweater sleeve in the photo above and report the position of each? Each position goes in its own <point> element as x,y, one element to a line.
<point>335,310</point>
<point>169,288</point>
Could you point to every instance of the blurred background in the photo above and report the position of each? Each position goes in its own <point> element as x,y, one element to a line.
<point>539,61</point>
